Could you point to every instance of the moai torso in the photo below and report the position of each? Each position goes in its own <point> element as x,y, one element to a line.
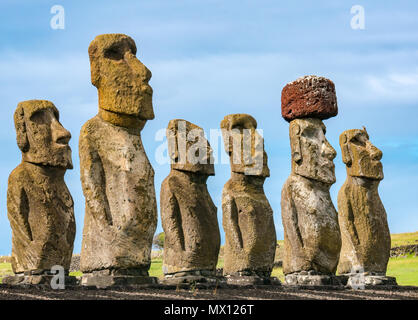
<point>190,223</point>
<point>40,207</point>
<point>362,217</point>
<point>121,211</point>
<point>250,242</point>
<point>41,214</point>
<point>311,231</point>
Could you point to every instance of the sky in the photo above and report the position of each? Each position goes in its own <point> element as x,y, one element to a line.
<point>210,58</point>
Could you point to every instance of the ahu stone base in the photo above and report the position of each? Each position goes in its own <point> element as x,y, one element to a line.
<point>116,278</point>
<point>368,280</point>
<point>200,278</point>
<point>252,280</point>
<point>38,279</point>
<point>312,278</point>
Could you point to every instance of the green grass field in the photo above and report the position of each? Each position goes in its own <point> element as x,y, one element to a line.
<point>403,239</point>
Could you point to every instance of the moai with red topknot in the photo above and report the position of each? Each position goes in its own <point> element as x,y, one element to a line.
<point>312,239</point>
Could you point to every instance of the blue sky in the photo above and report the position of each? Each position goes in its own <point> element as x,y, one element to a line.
<point>210,58</point>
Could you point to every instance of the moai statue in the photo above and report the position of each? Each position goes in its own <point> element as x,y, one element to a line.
<point>250,236</point>
<point>365,233</point>
<point>312,239</point>
<point>188,215</point>
<point>116,175</point>
<point>39,205</point>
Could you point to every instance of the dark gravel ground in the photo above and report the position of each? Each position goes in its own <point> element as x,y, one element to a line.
<point>248,293</point>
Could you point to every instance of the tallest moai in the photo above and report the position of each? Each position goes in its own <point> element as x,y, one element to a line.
<point>116,175</point>
<point>312,239</point>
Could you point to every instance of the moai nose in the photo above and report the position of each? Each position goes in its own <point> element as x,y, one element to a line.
<point>138,66</point>
<point>328,151</point>
<point>376,154</point>
<point>60,135</point>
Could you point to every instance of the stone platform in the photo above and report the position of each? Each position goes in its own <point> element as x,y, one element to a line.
<point>312,278</point>
<point>44,280</point>
<point>117,278</point>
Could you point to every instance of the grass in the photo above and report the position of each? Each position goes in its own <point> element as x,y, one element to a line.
<point>403,239</point>
<point>5,270</point>
<point>156,269</point>
<point>404,269</point>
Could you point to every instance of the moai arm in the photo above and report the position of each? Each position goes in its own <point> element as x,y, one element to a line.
<point>290,218</point>
<point>18,211</point>
<point>230,219</point>
<point>171,219</point>
<point>346,211</point>
<point>93,181</point>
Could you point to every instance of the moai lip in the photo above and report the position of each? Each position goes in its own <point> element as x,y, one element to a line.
<point>250,236</point>
<point>362,217</point>
<point>309,97</point>
<point>39,205</point>
<point>188,215</point>
<point>116,175</point>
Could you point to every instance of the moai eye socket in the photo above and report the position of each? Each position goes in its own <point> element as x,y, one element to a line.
<point>309,132</point>
<point>113,53</point>
<point>358,140</point>
<point>39,117</point>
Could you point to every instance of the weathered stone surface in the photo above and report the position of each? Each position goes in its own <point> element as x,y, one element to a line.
<point>188,215</point>
<point>106,278</point>
<point>39,205</point>
<point>38,279</point>
<point>362,217</point>
<point>312,239</point>
<point>250,236</point>
<point>206,278</point>
<point>116,175</point>
<point>252,280</point>
<point>364,280</point>
<point>309,97</point>
<point>312,279</point>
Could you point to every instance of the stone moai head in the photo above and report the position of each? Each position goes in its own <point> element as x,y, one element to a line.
<point>188,148</point>
<point>244,145</point>
<point>40,136</point>
<point>360,156</point>
<point>305,103</point>
<point>120,78</point>
<point>312,154</point>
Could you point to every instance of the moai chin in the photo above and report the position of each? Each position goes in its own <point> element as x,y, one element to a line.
<point>250,236</point>
<point>365,233</point>
<point>188,215</point>
<point>39,205</point>
<point>312,239</point>
<point>116,175</point>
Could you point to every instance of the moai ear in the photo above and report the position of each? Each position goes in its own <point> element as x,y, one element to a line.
<point>296,151</point>
<point>344,149</point>
<point>21,134</point>
<point>94,64</point>
<point>365,131</point>
<point>172,146</point>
